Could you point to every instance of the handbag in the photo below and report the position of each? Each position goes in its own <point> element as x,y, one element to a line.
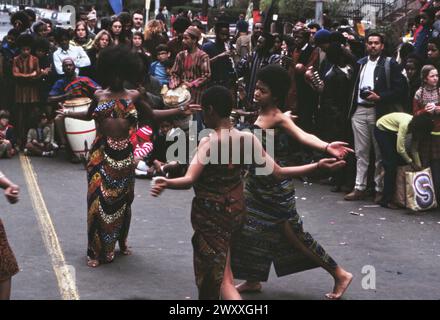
<point>420,192</point>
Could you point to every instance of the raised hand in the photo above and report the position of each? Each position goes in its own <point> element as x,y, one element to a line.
<point>338,149</point>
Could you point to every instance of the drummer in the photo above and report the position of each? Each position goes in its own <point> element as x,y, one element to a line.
<point>192,69</point>
<point>69,87</point>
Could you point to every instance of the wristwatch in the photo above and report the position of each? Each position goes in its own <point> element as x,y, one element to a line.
<point>182,108</point>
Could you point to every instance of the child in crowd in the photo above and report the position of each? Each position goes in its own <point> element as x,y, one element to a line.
<point>160,69</point>
<point>39,139</point>
<point>25,70</point>
<point>137,43</point>
<point>142,147</point>
<point>7,136</point>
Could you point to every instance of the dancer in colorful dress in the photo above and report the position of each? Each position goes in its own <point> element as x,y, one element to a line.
<point>218,207</point>
<point>8,263</point>
<point>273,230</point>
<point>111,166</point>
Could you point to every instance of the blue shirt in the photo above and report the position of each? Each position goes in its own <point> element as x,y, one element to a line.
<point>158,70</point>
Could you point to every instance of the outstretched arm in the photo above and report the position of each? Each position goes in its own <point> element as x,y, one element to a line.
<point>295,171</point>
<point>337,149</point>
<point>193,173</point>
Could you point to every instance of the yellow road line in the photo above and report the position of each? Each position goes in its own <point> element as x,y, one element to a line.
<point>65,278</point>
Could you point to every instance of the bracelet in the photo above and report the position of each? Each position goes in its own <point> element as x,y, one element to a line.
<point>326,147</point>
<point>182,108</point>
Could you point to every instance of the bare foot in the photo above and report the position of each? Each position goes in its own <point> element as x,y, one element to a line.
<point>248,286</point>
<point>92,263</point>
<point>341,284</point>
<point>109,257</point>
<point>125,249</point>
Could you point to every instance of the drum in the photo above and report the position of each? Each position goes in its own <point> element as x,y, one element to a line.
<point>80,134</point>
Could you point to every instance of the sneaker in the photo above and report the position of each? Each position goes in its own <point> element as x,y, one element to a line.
<point>355,195</point>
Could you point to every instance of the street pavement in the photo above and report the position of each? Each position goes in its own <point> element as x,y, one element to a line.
<point>402,247</point>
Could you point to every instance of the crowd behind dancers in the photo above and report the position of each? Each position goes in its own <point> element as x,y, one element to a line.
<point>342,87</point>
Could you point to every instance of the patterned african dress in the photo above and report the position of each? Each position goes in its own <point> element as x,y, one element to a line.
<point>271,214</point>
<point>216,215</point>
<point>110,174</point>
<point>8,263</point>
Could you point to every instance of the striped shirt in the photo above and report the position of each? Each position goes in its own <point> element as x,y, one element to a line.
<point>194,69</point>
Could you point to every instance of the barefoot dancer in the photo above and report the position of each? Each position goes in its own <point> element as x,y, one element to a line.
<point>273,230</point>
<point>218,206</point>
<point>111,167</point>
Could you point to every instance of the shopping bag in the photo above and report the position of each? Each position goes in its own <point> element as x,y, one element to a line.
<point>420,194</point>
<point>400,193</point>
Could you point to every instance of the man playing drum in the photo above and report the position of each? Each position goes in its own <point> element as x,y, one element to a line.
<point>69,87</point>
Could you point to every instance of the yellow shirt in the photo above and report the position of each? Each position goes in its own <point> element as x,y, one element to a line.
<point>398,122</point>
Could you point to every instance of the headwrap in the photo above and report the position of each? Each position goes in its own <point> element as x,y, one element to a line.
<point>194,32</point>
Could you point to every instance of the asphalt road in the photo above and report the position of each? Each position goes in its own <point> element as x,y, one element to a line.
<point>402,247</point>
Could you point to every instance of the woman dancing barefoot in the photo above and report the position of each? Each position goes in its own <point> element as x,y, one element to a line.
<point>111,167</point>
<point>218,206</point>
<point>273,230</point>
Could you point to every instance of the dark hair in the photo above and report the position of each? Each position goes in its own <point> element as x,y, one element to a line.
<point>334,53</point>
<point>314,25</point>
<point>197,23</point>
<point>304,33</point>
<point>61,33</point>
<point>220,25</point>
<point>406,49</point>
<point>162,47</point>
<point>422,124</point>
<point>106,23</point>
<point>139,34</point>
<point>118,62</point>
<point>41,44</point>
<point>277,79</point>
<point>31,14</point>
<point>220,98</point>
<point>23,17</point>
<point>181,24</point>
<point>376,34</point>
<point>436,42</point>
<point>137,12</point>
<point>25,40</point>
<point>344,22</point>
<point>125,18</point>
<point>337,37</point>
<point>48,21</point>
